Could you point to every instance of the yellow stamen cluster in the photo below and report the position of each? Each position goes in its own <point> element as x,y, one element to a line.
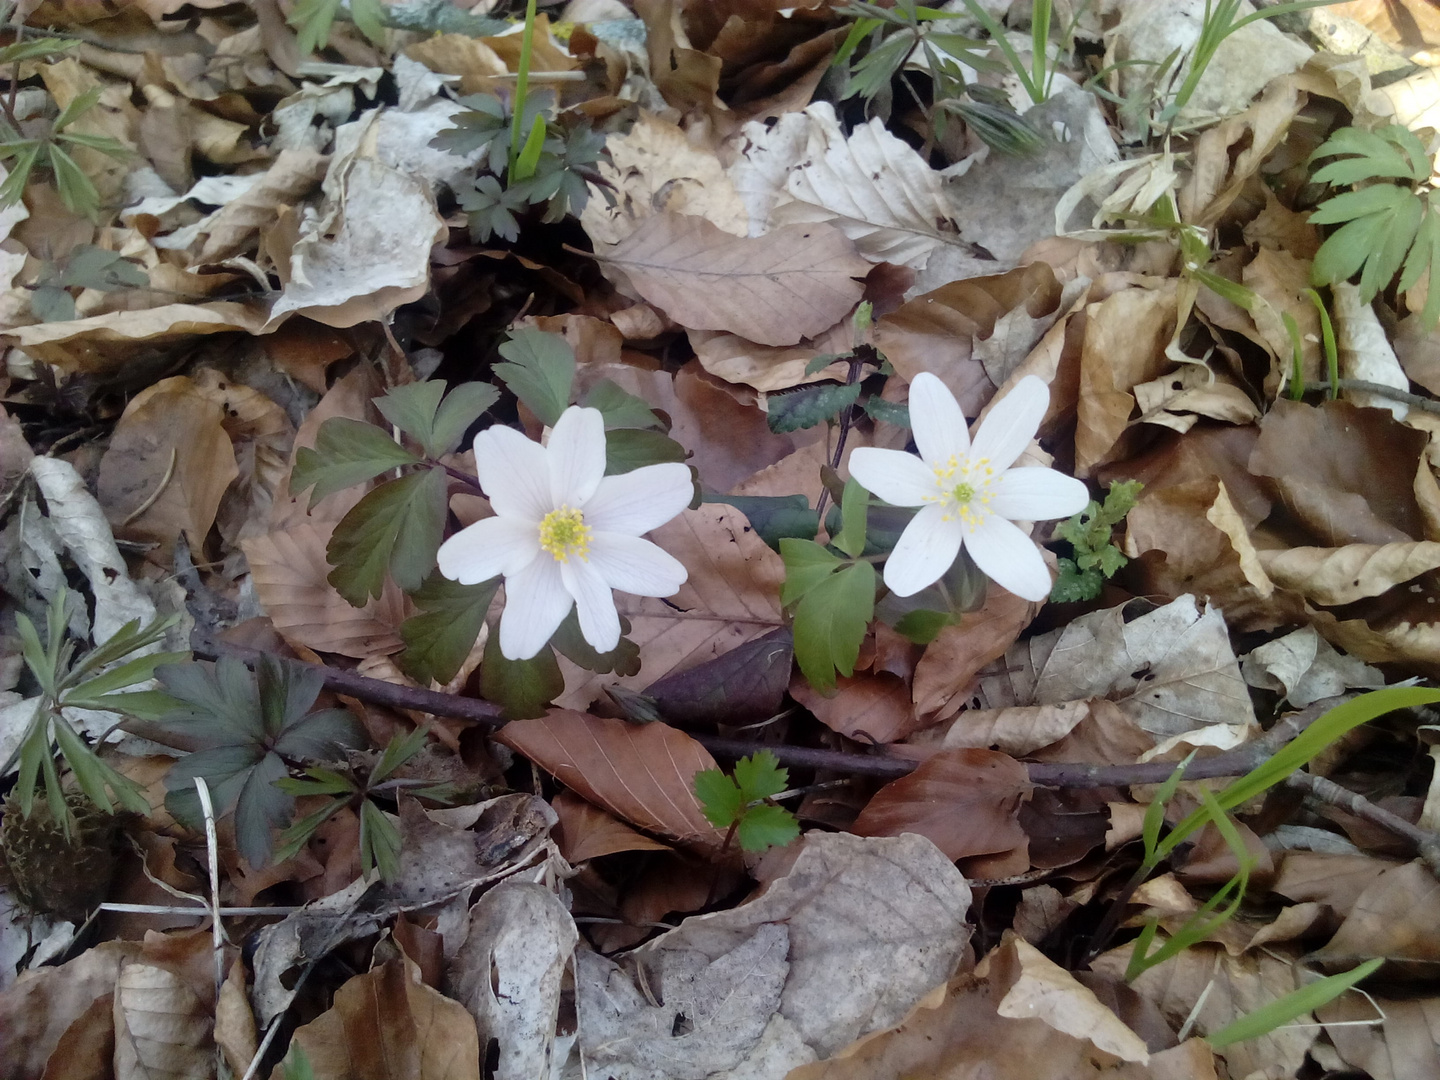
<point>563,533</point>
<point>970,497</point>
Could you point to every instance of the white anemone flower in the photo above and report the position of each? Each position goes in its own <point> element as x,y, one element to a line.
<point>968,493</point>
<point>565,533</point>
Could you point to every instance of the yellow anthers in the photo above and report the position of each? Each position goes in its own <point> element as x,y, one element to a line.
<point>946,471</point>
<point>970,498</point>
<point>563,533</point>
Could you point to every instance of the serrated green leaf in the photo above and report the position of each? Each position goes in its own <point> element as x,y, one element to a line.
<point>79,105</point>
<point>522,688</point>
<point>449,620</point>
<point>219,702</point>
<point>830,623</point>
<point>808,406</point>
<point>1380,199</point>
<point>25,154</point>
<point>1073,584</point>
<point>313,19</point>
<point>820,363</point>
<point>774,517</point>
<point>347,452</point>
<point>318,782</point>
<point>320,735</point>
<point>720,798</point>
<point>760,776</point>
<point>397,527</point>
<point>143,704</point>
<point>622,661</point>
<point>117,678</point>
<point>1394,152</point>
<point>287,690</point>
<point>807,565</point>
<point>888,412</point>
<point>1383,264</point>
<point>540,372</point>
<point>76,189</point>
<point>464,405</point>
<point>379,842</point>
<point>628,449</point>
<point>766,826</point>
<point>490,209</point>
<point>1110,559</point>
<point>620,408</point>
<point>369,17</point>
<point>411,408</point>
<point>298,835</point>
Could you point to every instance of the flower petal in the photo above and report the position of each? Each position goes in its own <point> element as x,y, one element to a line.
<point>899,478</point>
<point>496,545</point>
<point>936,421</point>
<point>636,566</point>
<point>576,453</point>
<point>599,621</point>
<point>536,603</point>
<point>1010,425</point>
<point>513,473</point>
<point>1009,558</point>
<point>927,548</point>
<point>1038,495</point>
<point>641,500</point>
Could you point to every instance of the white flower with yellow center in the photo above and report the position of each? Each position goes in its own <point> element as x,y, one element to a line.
<point>968,494</point>
<point>565,533</point>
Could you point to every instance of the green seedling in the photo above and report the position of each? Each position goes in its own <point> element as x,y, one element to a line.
<point>742,803</point>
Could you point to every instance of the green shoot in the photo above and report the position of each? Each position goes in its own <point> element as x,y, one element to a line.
<point>1095,556</point>
<point>1294,1004</point>
<point>742,803</point>
<point>522,89</point>
<point>1327,341</point>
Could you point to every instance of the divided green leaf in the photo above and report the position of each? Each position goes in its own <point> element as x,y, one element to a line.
<point>522,688</point>
<point>741,801</point>
<point>540,372</point>
<point>810,405</point>
<point>620,408</point>
<point>628,449</point>
<point>1089,532</point>
<point>834,609</point>
<point>397,527</point>
<point>347,452</point>
<point>440,637</point>
<point>774,517</point>
<point>416,409</point>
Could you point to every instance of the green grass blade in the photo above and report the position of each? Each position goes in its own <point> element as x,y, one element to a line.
<point>1297,1003</point>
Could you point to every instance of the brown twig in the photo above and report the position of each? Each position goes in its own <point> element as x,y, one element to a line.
<point>1381,390</point>
<point>1427,843</point>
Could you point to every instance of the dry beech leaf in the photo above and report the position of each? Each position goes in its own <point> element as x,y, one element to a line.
<point>642,773</point>
<point>655,168</point>
<point>873,708</point>
<point>1405,1045</point>
<point>1019,729</point>
<point>508,972</point>
<point>764,367</point>
<point>1337,576</point>
<point>846,942</point>
<point>385,1024</point>
<point>732,596</point>
<point>1305,668</point>
<point>162,1029</point>
<point>775,289</point>
<point>167,466</point>
<point>957,1029</point>
<point>965,801</point>
<point>289,569</point>
<point>939,331</point>
<point>1171,671</point>
<point>1233,987</point>
<point>1397,916</point>
<point>874,186</point>
<point>587,832</point>
<point>957,654</point>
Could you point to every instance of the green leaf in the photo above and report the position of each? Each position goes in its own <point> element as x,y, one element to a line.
<point>398,527</point>
<point>720,798</point>
<point>760,776</point>
<point>25,154</point>
<point>79,105</point>
<point>824,360</point>
<point>522,688</point>
<point>484,125</point>
<point>888,412</point>
<point>1073,584</point>
<point>1294,1004</point>
<point>297,1064</point>
<point>853,506</point>
<point>438,428</point>
<point>766,826</point>
<point>1381,223</point>
<point>347,452</point>
<point>811,405</point>
<point>620,408</point>
<point>151,705</point>
<point>77,191</point>
<point>922,626</point>
<point>313,19</point>
<point>398,751</point>
<point>298,834</point>
<point>219,702</point>
<point>117,678</point>
<point>491,209</point>
<point>91,267</point>
<point>369,17</point>
<point>36,49</point>
<point>623,660</point>
<point>51,303</point>
<point>440,637</point>
<point>830,624</point>
<point>627,449</point>
<point>379,842</point>
<point>540,372</point>
<point>529,154</point>
<point>807,565</point>
<point>774,517</point>
<point>1391,152</point>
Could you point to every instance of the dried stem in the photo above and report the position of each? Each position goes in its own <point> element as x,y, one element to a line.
<point>1381,390</point>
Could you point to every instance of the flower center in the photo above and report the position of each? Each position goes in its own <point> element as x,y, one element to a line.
<point>965,487</point>
<point>563,533</point>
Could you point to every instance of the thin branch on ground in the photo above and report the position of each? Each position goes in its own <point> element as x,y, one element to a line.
<point>1424,404</point>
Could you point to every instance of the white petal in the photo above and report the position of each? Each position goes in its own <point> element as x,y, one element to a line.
<point>599,621</point>
<point>1009,558</point>
<point>936,421</point>
<point>641,500</point>
<point>900,479</point>
<point>536,603</point>
<point>1010,425</point>
<point>491,546</point>
<point>576,453</point>
<point>513,473</point>
<point>636,566</point>
<point>927,548</point>
<point>1038,495</point>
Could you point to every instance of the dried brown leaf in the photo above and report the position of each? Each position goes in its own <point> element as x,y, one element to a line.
<point>873,708</point>
<point>1397,916</point>
<point>966,801</point>
<point>775,289</point>
<point>644,774</point>
<point>957,654</point>
<point>587,832</point>
<point>1338,576</point>
<point>162,1028</point>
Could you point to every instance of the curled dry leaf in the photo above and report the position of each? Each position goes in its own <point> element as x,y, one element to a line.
<point>584,831</point>
<point>1305,668</point>
<point>1397,916</point>
<point>951,662</point>
<point>1343,575</point>
<point>871,707</point>
<point>1019,729</point>
<point>162,1029</point>
<point>386,1023</point>
<point>775,289</point>
<point>965,801</point>
<point>643,774</point>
